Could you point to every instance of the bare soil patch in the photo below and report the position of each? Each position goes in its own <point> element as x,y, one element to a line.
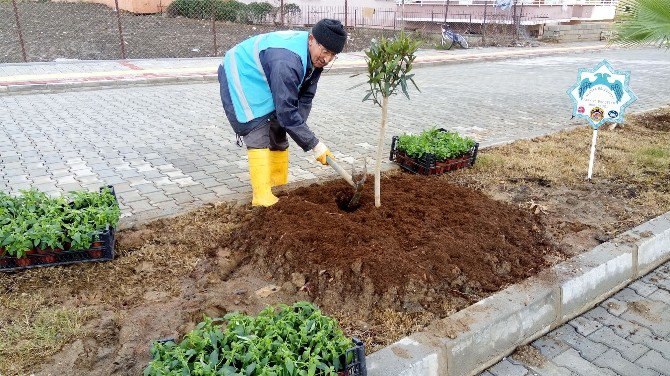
<point>430,240</point>
<point>436,246</point>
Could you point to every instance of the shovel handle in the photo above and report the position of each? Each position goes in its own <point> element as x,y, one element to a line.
<point>345,175</point>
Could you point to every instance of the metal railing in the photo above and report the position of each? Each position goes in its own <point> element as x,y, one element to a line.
<point>525,2</point>
<point>45,31</point>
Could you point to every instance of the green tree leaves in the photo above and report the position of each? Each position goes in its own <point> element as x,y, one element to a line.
<point>389,65</point>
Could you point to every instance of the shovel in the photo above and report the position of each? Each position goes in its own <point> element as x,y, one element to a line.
<point>357,185</point>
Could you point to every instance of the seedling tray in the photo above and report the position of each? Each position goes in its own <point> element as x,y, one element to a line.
<point>428,164</point>
<point>357,365</point>
<point>102,250</point>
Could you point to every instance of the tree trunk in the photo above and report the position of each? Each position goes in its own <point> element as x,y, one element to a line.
<point>380,146</point>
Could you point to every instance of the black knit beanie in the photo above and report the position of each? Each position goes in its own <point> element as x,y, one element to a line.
<point>330,34</point>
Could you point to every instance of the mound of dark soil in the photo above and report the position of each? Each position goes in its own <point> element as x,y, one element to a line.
<point>655,120</point>
<point>428,239</point>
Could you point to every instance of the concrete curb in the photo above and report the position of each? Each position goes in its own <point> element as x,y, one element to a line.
<point>207,76</point>
<point>479,336</point>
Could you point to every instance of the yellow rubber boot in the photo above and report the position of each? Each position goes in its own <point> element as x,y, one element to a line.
<point>260,172</point>
<point>279,167</point>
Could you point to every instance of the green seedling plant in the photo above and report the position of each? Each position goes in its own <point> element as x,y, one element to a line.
<point>81,232</point>
<point>33,220</point>
<point>101,207</point>
<point>443,145</point>
<point>389,64</point>
<point>280,341</point>
<point>18,242</point>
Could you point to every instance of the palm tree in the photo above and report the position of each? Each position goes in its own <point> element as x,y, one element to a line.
<point>642,22</point>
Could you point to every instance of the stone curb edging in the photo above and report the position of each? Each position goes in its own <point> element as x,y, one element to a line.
<point>477,337</point>
<point>203,77</point>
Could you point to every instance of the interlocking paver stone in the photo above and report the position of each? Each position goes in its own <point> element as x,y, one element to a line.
<point>661,295</point>
<point>647,338</point>
<point>613,360</point>
<point>131,196</point>
<point>654,360</point>
<point>642,288</point>
<point>182,197</point>
<point>506,368</point>
<point>141,205</point>
<point>628,350</point>
<point>585,326</point>
<point>614,306</point>
<point>627,295</point>
<point>651,314</point>
<point>621,327</point>
<point>571,360</point>
<point>588,349</point>
<point>549,346</point>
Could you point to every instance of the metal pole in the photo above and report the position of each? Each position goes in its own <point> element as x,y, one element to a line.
<point>118,21</point>
<point>520,16</point>
<point>216,49</point>
<point>281,11</point>
<point>593,153</point>
<point>447,8</point>
<point>395,18</point>
<point>346,13</point>
<point>486,3</point>
<point>516,28</point>
<point>18,28</point>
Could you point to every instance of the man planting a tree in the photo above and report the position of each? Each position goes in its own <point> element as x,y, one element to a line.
<point>267,83</point>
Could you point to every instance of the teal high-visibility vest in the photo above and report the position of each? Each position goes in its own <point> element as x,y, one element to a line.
<point>247,84</point>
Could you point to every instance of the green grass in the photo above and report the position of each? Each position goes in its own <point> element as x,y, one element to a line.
<point>35,330</point>
<point>653,157</point>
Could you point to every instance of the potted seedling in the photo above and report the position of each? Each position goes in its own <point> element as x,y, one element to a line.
<point>33,222</point>
<point>283,340</point>
<point>19,245</point>
<point>389,64</point>
<point>80,235</point>
<point>433,152</point>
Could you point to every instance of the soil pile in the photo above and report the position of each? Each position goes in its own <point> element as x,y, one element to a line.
<point>429,239</point>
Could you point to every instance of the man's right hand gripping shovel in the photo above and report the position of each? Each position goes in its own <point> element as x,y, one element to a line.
<point>324,156</point>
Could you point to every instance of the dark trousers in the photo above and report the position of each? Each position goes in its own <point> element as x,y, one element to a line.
<point>261,133</point>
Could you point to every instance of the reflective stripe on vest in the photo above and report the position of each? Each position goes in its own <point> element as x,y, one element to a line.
<point>247,84</point>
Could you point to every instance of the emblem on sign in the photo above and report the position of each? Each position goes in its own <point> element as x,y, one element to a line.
<point>600,95</point>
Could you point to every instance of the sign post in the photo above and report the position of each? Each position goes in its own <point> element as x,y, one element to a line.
<point>600,95</point>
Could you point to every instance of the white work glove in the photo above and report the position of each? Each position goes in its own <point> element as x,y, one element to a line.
<point>320,152</point>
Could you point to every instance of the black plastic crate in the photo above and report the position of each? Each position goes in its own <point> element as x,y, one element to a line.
<point>356,367</point>
<point>101,250</point>
<point>428,164</point>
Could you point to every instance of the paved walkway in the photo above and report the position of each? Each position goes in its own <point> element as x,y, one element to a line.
<point>66,74</point>
<point>627,335</point>
<point>168,148</point>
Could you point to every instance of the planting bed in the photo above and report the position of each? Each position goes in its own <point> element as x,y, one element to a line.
<point>436,245</point>
<point>429,243</point>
